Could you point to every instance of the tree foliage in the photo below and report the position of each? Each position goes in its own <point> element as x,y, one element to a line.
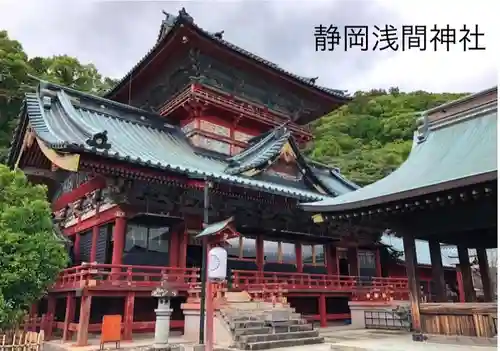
<point>371,136</point>
<point>31,256</point>
<point>16,69</point>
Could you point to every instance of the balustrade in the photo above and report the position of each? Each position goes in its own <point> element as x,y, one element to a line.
<point>258,282</point>
<point>106,275</point>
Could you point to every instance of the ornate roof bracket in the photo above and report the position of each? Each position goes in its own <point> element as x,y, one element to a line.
<point>94,138</point>
<point>422,129</point>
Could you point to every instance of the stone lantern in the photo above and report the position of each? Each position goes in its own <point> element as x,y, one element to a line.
<point>162,328</point>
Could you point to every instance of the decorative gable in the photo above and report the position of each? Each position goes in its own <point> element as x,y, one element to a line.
<point>276,154</point>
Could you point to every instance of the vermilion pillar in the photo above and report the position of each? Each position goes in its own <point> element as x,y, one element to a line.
<point>83,324</point>
<point>332,262</point>
<point>183,242</point>
<point>378,264</point>
<point>129,316</point>
<point>76,247</point>
<point>51,312</point>
<point>322,311</point>
<point>69,315</point>
<point>175,243</point>
<point>93,249</point>
<point>298,256</point>
<point>119,232</point>
<point>260,252</point>
<point>352,257</point>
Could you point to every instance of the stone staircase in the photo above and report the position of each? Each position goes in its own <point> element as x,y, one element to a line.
<point>257,325</point>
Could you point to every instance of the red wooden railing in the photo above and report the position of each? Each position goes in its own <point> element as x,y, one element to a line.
<point>251,280</point>
<point>108,275</point>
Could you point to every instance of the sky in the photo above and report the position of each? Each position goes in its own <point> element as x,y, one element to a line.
<point>114,35</point>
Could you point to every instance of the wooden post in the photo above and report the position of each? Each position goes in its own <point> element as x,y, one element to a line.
<point>260,252</point>
<point>119,232</point>
<point>413,284</point>
<point>352,258</point>
<point>93,249</point>
<point>183,247</point>
<point>209,303</point>
<point>437,270</point>
<point>83,324</point>
<point>129,316</point>
<point>323,323</point>
<point>298,256</point>
<point>51,311</point>
<point>378,263</point>
<point>174,248</point>
<point>332,261</point>
<point>460,285</point>
<point>69,315</point>
<point>484,270</point>
<point>464,262</point>
<point>76,248</point>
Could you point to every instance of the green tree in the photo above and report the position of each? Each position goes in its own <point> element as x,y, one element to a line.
<point>68,71</point>
<point>15,81</point>
<point>371,136</point>
<point>31,255</point>
<point>14,71</point>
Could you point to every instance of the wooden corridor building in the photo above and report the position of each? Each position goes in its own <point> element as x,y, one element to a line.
<point>445,193</point>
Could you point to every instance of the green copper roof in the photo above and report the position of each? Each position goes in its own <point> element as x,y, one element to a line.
<point>266,148</point>
<point>69,120</point>
<point>215,228</point>
<point>447,153</point>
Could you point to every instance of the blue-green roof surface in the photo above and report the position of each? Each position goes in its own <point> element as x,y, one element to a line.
<point>265,149</point>
<point>66,120</point>
<point>214,228</point>
<point>445,152</point>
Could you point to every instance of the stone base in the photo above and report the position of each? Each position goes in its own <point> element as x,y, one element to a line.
<point>222,334</point>
<point>358,309</point>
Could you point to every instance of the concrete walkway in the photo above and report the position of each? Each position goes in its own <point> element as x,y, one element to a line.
<point>381,340</point>
<point>340,338</point>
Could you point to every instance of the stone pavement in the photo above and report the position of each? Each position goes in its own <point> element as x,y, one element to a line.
<point>336,339</point>
<point>382,340</point>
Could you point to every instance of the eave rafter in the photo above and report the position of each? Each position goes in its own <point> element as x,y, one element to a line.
<point>419,204</point>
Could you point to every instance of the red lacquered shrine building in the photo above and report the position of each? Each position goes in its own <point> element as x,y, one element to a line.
<point>126,175</point>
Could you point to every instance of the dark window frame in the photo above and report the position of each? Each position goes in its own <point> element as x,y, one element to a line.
<point>148,238</point>
<point>313,255</point>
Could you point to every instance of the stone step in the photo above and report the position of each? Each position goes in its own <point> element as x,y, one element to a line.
<point>265,330</point>
<point>251,331</point>
<point>261,323</point>
<point>247,324</point>
<point>266,345</point>
<point>247,339</point>
<point>294,328</point>
<point>237,296</point>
